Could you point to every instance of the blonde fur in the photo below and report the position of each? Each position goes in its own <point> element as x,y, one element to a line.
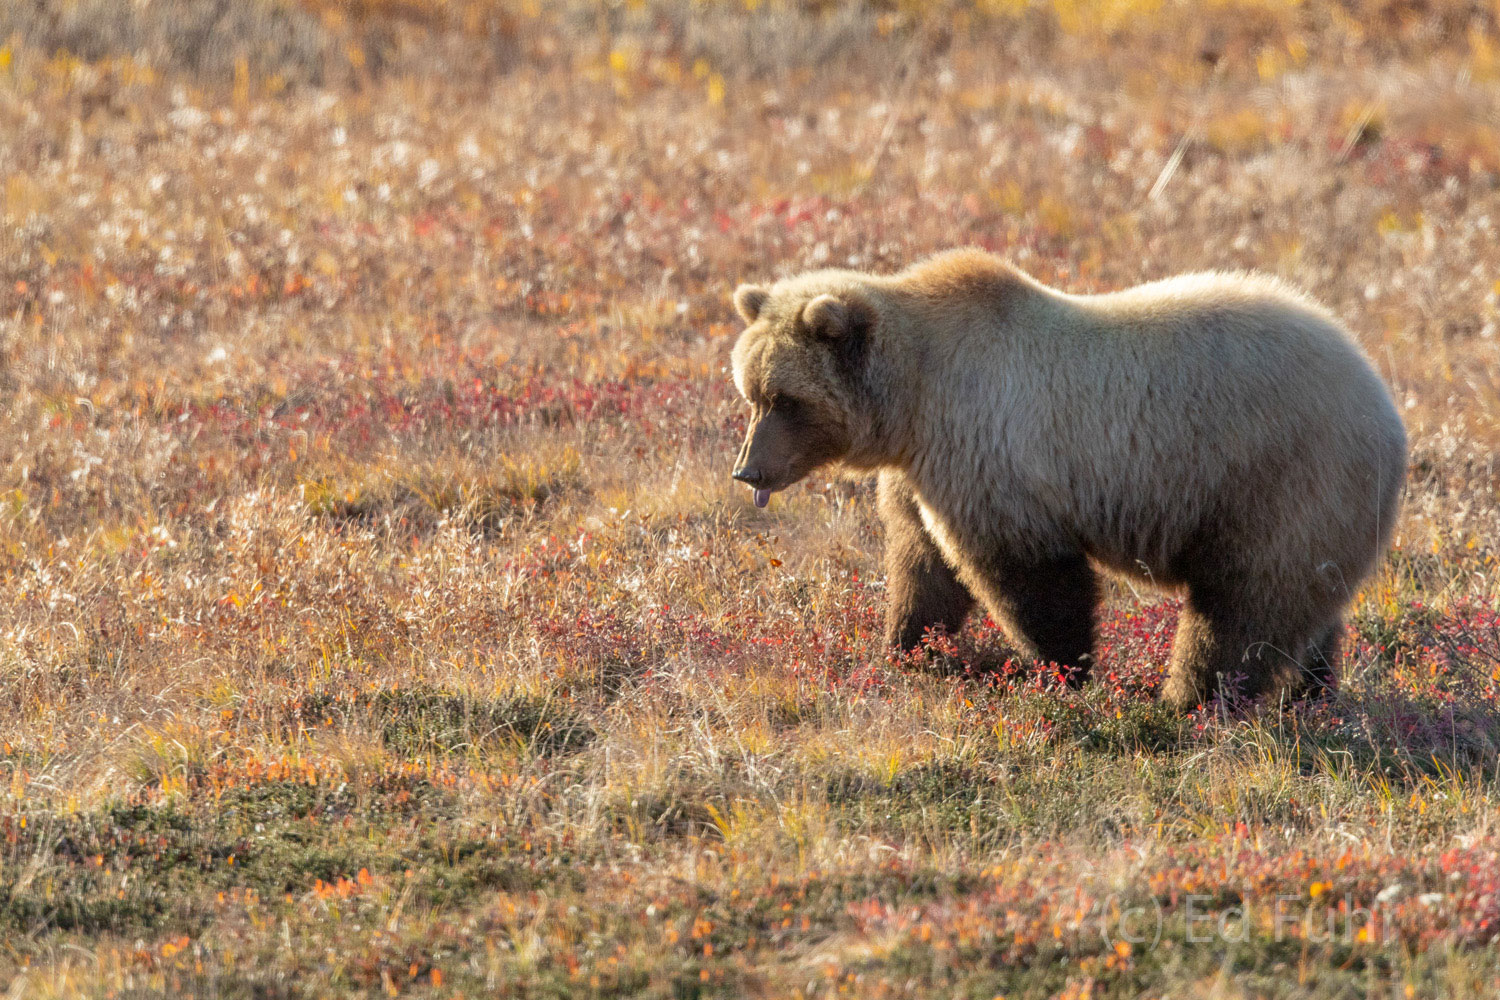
<point>1217,433</point>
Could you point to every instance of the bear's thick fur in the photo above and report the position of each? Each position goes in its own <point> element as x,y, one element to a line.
<point>1215,433</point>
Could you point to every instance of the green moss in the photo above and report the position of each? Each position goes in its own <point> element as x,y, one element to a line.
<point>425,720</point>
<point>131,868</point>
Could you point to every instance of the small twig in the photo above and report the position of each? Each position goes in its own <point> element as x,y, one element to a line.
<point>1356,131</point>
<point>893,118</point>
<point>1173,162</point>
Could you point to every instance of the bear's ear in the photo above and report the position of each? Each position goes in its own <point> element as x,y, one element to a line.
<point>832,318</point>
<point>749,300</point>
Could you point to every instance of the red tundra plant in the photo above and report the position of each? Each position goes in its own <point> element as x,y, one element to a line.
<point>1132,647</point>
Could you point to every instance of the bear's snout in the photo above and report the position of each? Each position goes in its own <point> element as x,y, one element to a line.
<point>768,458</point>
<point>751,475</point>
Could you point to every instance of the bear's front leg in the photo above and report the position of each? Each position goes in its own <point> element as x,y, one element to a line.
<point>921,590</point>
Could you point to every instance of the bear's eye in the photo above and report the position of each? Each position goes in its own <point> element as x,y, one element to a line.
<point>787,406</point>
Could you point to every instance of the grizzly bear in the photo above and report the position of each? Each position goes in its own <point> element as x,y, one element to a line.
<point>1219,435</point>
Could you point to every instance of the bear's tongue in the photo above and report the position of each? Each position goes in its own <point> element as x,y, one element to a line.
<point>762,497</point>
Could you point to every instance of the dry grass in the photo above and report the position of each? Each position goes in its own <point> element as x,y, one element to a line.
<point>376,612</point>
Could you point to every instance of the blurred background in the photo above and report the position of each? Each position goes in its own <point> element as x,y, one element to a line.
<point>363,161</point>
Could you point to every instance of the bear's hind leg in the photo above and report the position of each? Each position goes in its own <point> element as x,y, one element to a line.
<point>1216,650</point>
<point>1201,653</point>
<point>922,592</point>
<point>1049,608</point>
<point>1314,678</point>
<point>1324,660</point>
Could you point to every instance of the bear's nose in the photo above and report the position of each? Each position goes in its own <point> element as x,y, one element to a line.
<point>748,476</point>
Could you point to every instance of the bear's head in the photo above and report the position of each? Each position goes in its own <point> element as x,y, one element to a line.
<point>799,365</point>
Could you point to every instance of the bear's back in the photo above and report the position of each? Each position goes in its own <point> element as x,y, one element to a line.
<point>1134,419</point>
